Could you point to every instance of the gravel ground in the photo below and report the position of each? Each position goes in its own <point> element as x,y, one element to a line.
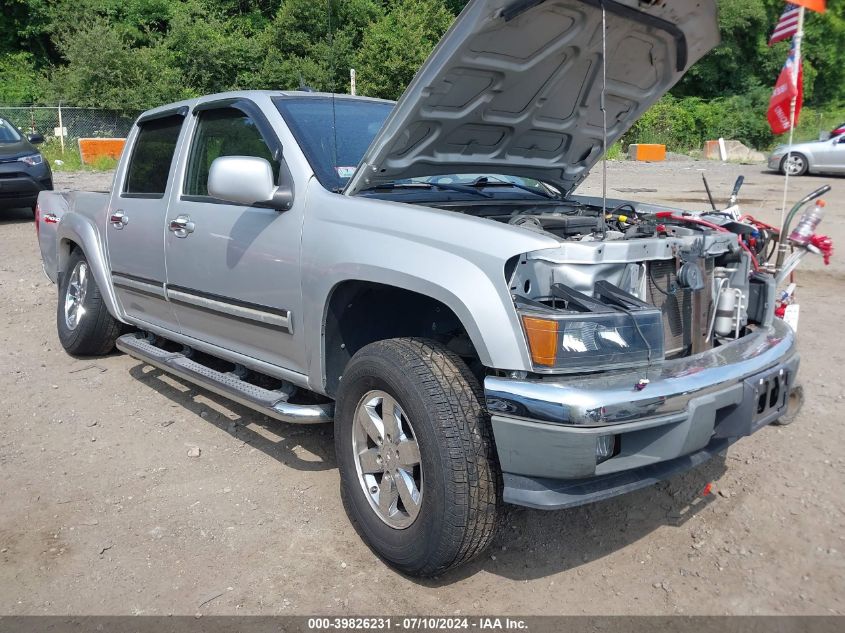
<point>104,511</point>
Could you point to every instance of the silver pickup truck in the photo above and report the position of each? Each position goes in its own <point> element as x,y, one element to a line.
<point>422,275</point>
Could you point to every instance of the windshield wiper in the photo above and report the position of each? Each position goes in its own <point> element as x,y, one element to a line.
<point>431,185</point>
<point>485,181</point>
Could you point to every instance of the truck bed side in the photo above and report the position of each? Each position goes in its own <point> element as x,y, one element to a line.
<point>53,206</point>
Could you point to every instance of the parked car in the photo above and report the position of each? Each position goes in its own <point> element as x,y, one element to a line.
<point>815,157</point>
<point>23,171</point>
<point>476,332</point>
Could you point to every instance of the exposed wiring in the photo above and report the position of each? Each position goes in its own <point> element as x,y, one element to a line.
<point>760,225</point>
<point>618,208</point>
<point>668,215</point>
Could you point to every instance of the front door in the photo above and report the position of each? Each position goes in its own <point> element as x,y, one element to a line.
<point>232,270</point>
<point>831,157</point>
<point>137,215</point>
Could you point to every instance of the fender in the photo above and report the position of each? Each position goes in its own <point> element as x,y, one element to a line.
<point>454,258</point>
<point>76,228</point>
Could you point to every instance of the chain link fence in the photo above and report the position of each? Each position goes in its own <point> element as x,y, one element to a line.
<point>75,123</point>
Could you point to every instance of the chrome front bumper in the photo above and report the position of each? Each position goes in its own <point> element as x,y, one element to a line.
<point>549,429</point>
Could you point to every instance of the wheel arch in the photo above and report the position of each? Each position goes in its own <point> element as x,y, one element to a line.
<point>75,233</point>
<point>358,312</point>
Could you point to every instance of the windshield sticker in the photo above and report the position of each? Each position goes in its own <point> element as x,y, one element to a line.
<point>345,172</point>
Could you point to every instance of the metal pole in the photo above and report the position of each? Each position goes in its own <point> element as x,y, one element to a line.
<point>61,129</point>
<point>799,37</point>
<point>352,85</point>
<point>604,117</point>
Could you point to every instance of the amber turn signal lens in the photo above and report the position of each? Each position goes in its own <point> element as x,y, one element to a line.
<point>542,340</point>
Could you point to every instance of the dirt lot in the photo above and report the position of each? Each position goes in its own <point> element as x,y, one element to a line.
<point>104,512</point>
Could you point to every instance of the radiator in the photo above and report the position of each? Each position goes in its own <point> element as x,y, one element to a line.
<point>686,314</point>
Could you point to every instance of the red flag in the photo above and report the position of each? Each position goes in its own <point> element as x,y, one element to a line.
<point>787,88</point>
<point>812,5</point>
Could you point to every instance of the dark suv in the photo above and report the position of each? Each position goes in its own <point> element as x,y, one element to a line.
<point>23,170</point>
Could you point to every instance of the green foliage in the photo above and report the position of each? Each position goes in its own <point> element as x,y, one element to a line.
<point>105,70</point>
<point>209,51</point>
<point>18,78</point>
<point>615,152</point>
<point>685,124</point>
<point>728,69</point>
<point>309,44</point>
<point>744,61</point>
<point>396,46</point>
<point>135,54</point>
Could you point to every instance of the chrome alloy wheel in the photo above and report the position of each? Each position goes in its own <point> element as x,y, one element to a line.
<point>77,288</point>
<point>794,165</point>
<point>387,459</point>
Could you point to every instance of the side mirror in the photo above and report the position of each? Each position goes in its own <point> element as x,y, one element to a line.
<point>247,180</point>
<point>35,139</point>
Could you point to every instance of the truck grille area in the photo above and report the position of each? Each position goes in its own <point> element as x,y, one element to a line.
<point>686,313</point>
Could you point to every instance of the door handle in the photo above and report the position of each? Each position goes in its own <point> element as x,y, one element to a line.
<point>119,219</point>
<point>181,226</point>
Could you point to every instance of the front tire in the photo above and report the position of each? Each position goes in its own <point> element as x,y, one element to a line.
<point>795,164</point>
<point>418,469</point>
<point>85,326</point>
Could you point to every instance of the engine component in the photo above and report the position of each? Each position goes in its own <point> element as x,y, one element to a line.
<point>729,311</point>
<point>686,312</point>
<point>690,276</point>
<point>559,224</point>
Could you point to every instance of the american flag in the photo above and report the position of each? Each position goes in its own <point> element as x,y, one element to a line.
<point>787,26</point>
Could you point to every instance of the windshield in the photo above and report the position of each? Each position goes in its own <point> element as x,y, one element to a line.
<point>333,133</point>
<point>8,133</point>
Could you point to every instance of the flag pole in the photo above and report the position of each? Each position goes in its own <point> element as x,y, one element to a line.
<point>799,37</point>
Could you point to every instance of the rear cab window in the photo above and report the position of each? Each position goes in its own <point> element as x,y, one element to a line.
<point>152,157</point>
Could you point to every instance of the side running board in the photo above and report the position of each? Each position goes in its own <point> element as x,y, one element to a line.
<point>271,403</point>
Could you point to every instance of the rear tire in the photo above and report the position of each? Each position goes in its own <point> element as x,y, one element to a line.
<point>85,326</point>
<point>442,490</point>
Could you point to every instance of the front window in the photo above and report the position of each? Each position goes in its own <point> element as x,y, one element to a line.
<point>8,133</point>
<point>333,133</point>
<point>223,132</point>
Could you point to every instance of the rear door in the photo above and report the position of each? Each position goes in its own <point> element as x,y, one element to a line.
<point>233,279</point>
<point>137,216</point>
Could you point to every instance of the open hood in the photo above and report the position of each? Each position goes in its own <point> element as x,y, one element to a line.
<point>514,88</point>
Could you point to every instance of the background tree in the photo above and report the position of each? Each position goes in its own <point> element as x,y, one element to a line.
<point>135,54</point>
<point>396,46</point>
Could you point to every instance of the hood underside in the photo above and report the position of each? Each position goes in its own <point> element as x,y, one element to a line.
<point>514,88</point>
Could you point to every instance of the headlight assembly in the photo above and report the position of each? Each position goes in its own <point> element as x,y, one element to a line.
<point>612,334</point>
<point>32,160</point>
